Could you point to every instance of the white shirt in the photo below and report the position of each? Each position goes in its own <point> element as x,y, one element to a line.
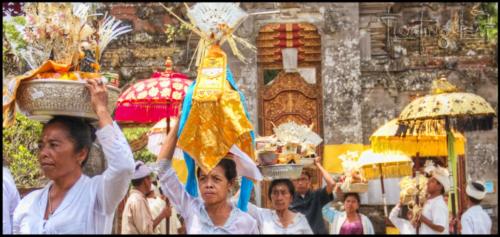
<point>404,226</point>
<point>337,218</point>
<point>192,209</point>
<point>269,222</point>
<point>156,205</point>
<point>476,221</point>
<point>436,210</point>
<point>9,201</point>
<point>89,205</point>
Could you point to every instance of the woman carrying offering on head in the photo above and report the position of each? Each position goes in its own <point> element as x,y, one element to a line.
<point>72,202</point>
<point>350,221</point>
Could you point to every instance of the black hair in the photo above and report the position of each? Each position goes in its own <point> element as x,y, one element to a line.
<point>307,173</point>
<point>137,182</point>
<point>229,167</point>
<point>442,186</point>
<point>81,132</point>
<point>478,187</point>
<point>355,195</point>
<point>404,212</point>
<point>286,182</point>
<point>474,201</point>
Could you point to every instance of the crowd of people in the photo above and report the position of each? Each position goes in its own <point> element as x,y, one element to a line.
<point>73,203</point>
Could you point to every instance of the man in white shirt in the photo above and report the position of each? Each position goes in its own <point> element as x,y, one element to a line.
<point>475,220</point>
<point>9,201</point>
<point>434,216</point>
<point>137,218</point>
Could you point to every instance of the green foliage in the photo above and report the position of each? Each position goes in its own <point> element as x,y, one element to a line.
<point>144,155</point>
<point>488,24</point>
<point>174,32</point>
<point>20,149</point>
<point>13,42</point>
<point>12,30</point>
<point>132,134</point>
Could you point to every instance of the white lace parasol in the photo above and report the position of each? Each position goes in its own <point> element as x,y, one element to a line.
<point>208,17</point>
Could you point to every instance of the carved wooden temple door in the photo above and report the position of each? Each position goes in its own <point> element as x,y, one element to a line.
<point>289,96</point>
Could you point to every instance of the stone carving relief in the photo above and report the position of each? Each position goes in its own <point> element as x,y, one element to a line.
<point>336,21</point>
<point>482,159</point>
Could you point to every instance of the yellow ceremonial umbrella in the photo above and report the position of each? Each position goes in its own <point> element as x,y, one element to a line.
<point>423,143</point>
<point>384,165</point>
<point>458,110</point>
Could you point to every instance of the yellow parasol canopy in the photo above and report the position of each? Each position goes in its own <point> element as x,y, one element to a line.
<point>394,165</point>
<point>426,143</point>
<point>466,111</point>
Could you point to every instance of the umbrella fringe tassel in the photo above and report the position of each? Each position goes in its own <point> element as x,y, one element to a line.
<point>461,124</point>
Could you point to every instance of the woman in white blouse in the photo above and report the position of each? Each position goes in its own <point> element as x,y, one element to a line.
<point>350,221</point>
<point>213,213</point>
<point>72,202</point>
<point>280,220</point>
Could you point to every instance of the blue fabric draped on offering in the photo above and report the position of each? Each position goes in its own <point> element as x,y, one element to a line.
<point>191,184</point>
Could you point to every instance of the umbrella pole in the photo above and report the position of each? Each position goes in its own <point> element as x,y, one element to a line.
<point>383,190</point>
<point>167,219</point>
<point>451,160</point>
<point>168,124</point>
<point>417,172</point>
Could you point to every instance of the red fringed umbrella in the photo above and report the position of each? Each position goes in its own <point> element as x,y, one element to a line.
<point>150,100</point>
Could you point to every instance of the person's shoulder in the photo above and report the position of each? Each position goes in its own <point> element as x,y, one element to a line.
<point>365,217</point>
<point>300,216</point>
<point>320,192</point>
<point>244,216</point>
<point>441,202</point>
<point>26,203</point>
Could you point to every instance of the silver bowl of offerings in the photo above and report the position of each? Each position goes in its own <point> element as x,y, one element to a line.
<point>41,99</point>
<point>284,171</point>
<point>268,157</point>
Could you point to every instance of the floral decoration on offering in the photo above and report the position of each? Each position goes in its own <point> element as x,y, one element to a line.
<point>292,143</point>
<point>351,178</point>
<point>62,41</point>
<point>409,190</point>
<point>67,33</point>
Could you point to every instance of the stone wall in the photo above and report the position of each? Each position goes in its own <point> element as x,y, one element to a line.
<point>365,83</point>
